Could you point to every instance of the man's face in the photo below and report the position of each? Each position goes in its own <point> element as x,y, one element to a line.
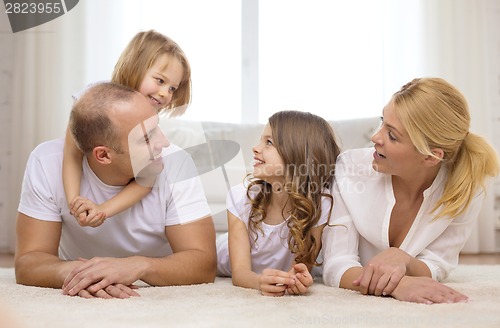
<point>142,140</point>
<point>146,142</point>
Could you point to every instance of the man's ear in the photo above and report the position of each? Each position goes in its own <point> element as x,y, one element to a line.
<point>436,159</point>
<point>102,154</point>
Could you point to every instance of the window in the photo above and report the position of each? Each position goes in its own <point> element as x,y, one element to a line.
<point>320,56</point>
<point>252,58</point>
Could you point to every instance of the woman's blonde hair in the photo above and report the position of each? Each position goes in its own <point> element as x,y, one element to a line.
<point>436,115</point>
<point>140,54</point>
<point>307,145</point>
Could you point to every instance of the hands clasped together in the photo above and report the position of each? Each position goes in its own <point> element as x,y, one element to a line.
<point>102,278</point>
<point>294,282</point>
<point>86,212</point>
<point>386,274</point>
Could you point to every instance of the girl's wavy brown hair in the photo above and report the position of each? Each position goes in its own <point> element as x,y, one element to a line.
<point>308,147</point>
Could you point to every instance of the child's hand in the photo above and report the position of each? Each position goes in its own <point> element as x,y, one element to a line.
<point>275,282</point>
<point>303,280</point>
<point>86,212</point>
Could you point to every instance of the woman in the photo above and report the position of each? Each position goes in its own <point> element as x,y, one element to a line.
<point>404,210</point>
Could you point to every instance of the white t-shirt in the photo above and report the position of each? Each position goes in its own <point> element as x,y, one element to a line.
<point>177,198</point>
<point>359,226</point>
<point>271,248</point>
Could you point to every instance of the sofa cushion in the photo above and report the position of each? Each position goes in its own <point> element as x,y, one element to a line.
<point>354,133</point>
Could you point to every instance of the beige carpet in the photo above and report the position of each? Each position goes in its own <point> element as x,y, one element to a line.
<point>223,305</point>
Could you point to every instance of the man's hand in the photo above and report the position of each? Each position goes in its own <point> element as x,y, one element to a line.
<point>303,280</point>
<point>98,273</point>
<point>112,291</point>
<point>382,274</point>
<point>426,290</point>
<point>275,282</point>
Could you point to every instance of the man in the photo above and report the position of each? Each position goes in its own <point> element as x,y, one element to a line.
<point>167,238</point>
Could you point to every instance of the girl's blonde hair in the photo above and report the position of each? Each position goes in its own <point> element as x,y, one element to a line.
<point>436,115</point>
<point>307,145</point>
<point>141,53</point>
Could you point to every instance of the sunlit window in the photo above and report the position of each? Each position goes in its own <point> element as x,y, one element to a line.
<point>333,58</point>
<point>321,56</point>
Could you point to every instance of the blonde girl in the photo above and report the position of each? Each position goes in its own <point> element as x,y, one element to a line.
<point>277,216</point>
<point>421,188</point>
<point>156,66</point>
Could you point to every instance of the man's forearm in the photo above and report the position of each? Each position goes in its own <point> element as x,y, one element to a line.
<point>182,268</point>
<point>41,269</point>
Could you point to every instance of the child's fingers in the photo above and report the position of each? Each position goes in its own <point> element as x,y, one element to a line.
<point>84,208</point>
<point>76,203</point>
<point>73,201</point>
<point>82,220</point>
<point>300,267</point>
<point>96,218</point>
<point>297,289</point>
<point>305,278</point>
<point>272,289</point>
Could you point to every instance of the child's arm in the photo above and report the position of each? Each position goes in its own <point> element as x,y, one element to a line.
<point>72,168</point>
<point>271,282</point>
<point>90,214</point>
<point>85,211</point>
<point>304,280</point>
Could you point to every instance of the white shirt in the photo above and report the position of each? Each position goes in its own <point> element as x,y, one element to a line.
<point>359,227</point>
<point>176,198</point>
<point>271,248</point>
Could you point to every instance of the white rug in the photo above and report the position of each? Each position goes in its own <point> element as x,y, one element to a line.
<point>223,305</point>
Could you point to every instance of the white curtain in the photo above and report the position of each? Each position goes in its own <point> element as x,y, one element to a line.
<point>45,69</point>
<point>459,39</point>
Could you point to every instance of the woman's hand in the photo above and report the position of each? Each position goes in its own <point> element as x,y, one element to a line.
<point>426,290</point>
<point>384,272</point>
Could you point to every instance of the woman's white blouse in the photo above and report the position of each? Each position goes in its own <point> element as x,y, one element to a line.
<point>359,226</point>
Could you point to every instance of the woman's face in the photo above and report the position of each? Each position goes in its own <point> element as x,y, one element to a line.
<point>394,151</point>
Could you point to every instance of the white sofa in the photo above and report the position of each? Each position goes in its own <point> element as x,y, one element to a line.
<point>238,139</point>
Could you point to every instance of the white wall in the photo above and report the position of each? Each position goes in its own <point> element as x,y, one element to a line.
<point>39,70</point>
<point>6,78</point>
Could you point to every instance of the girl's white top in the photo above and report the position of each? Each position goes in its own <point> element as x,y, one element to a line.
<point>271,248</point>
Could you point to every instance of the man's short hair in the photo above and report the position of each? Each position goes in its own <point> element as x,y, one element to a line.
<point>90,124</point>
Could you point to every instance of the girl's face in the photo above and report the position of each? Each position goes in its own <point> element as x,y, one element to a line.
<point>394,152</point>
<point>161,81</point>
<point>268,164</point>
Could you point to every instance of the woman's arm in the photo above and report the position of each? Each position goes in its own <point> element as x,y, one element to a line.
<point>383,272</point>
<point>441,255</point>
<point>340,242</point>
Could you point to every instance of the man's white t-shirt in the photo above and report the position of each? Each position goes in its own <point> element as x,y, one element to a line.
<point>176,198</point>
